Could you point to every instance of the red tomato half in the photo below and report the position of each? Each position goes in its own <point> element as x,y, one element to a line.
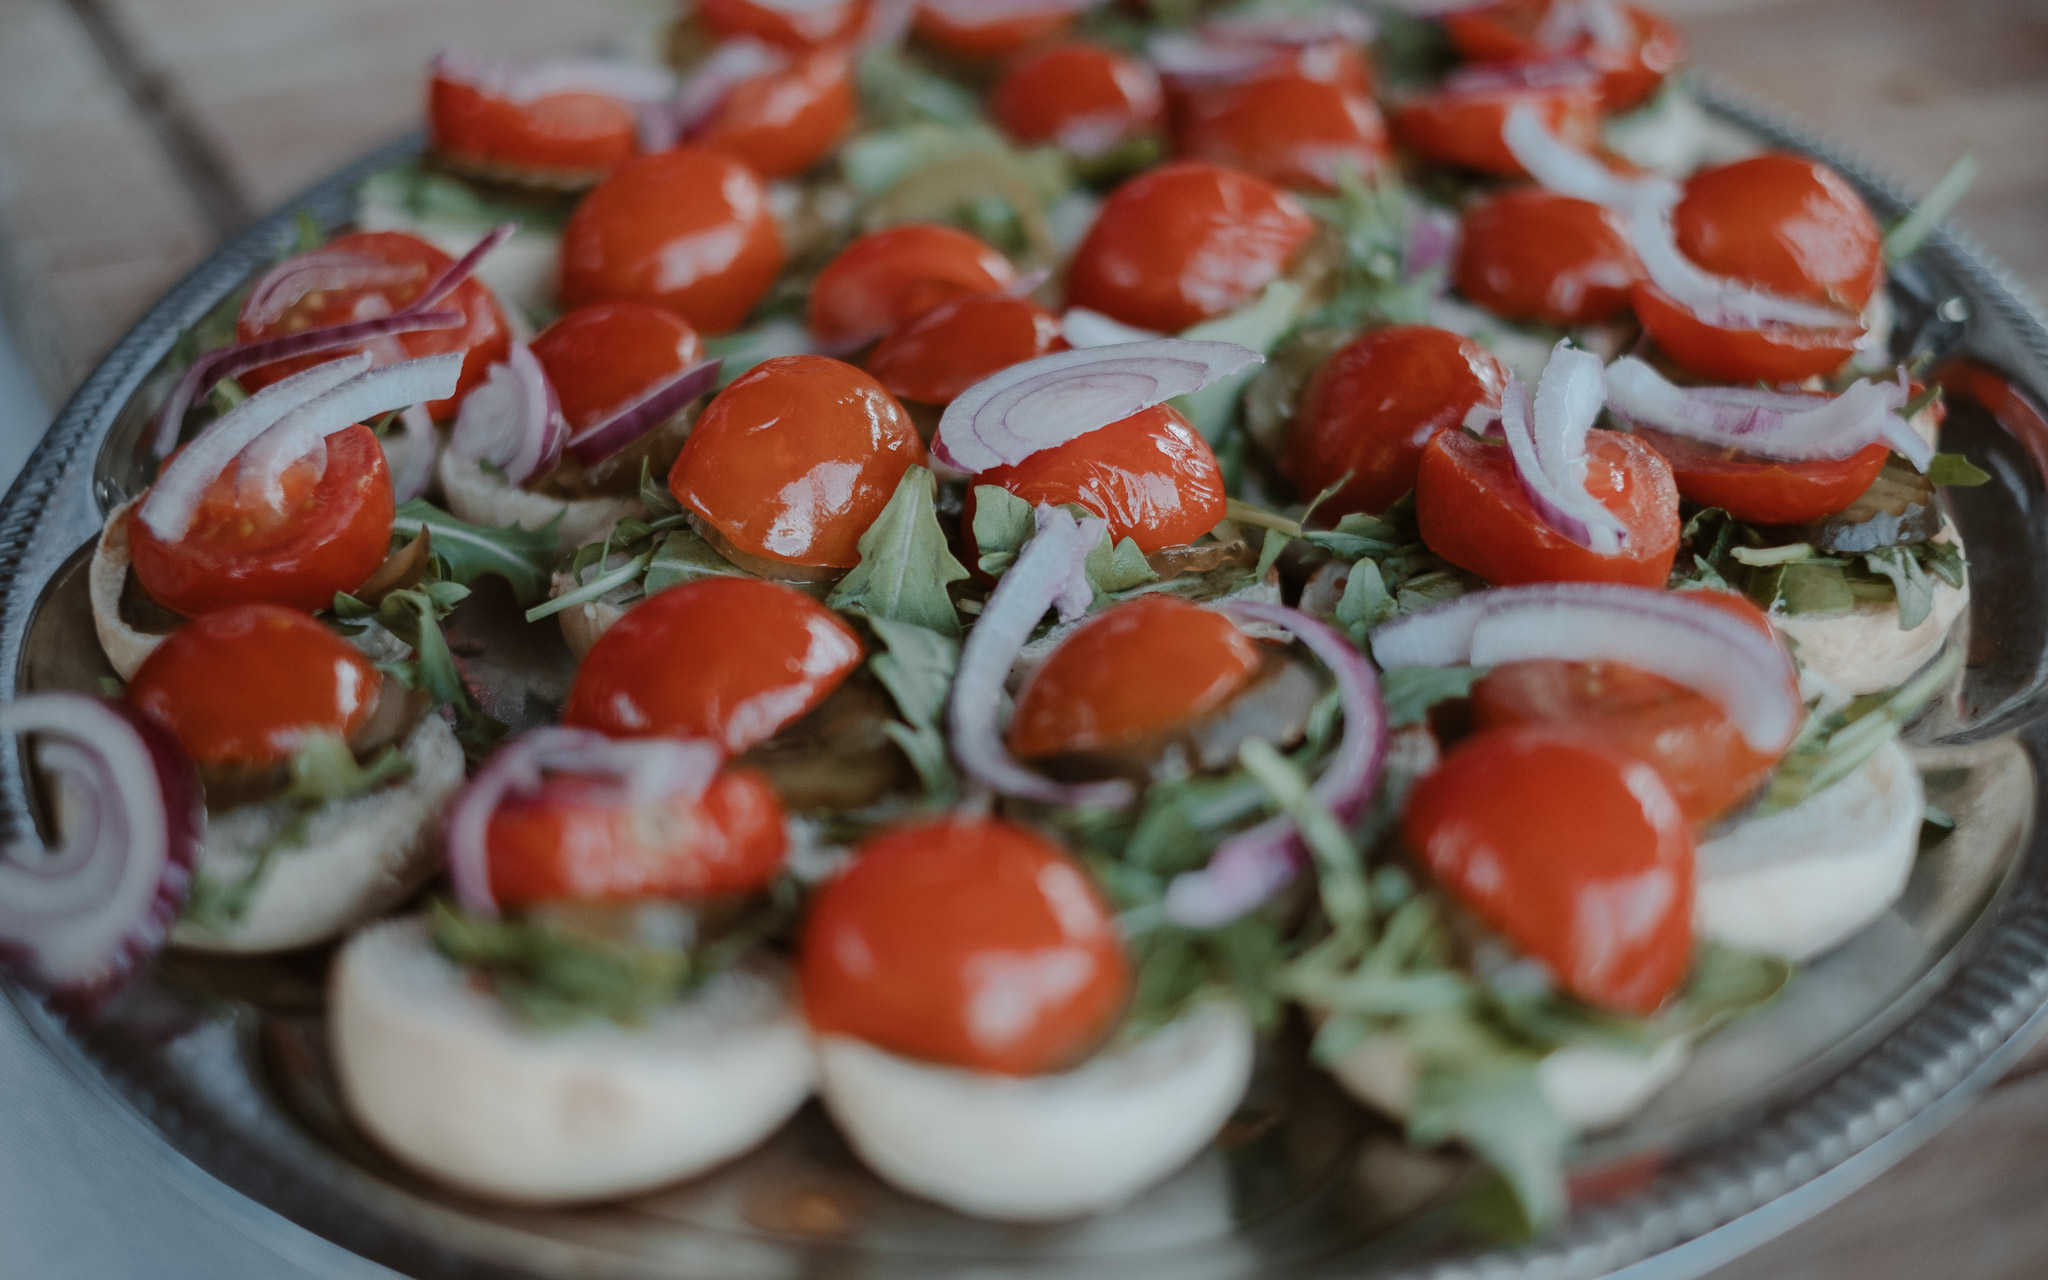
<point>793,26</point>
<point>1473,513</point>
<point>729,660</point>
<point>1083,97</point>
<point>580,840</point>
<point>1371,407</point>
<point>561,139</point>
<point>954,345</point>
<point>1184,242</point>
<point>949,29</point>
<point>1766,490</point>
<point>483,337</point>
<point>332,534</point>
<point>784,122</point>
<point>1573,851</point>
<point>888,278</point>
<point>1151,476</point>
<point>602,358</point>
<point>688,229</point>
<point>1786,224</point>
<point>795,460</point>
<point>923,946</point>
<point>247,684</point>
<point>1460,124</point>
<point>1519,30</point>
<point>1776,353</point>
<point>1286,127</point>
<point>1533,255</point>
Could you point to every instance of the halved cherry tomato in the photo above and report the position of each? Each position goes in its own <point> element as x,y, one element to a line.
<point>334,530</point>
<point>969,941</point>
<point>1774,353</point>
<point>1151,476</point>
<point>483,337</point>
<point>795,459</point>
<point>582,840</point>
<point>688,229</point>
<point>561,139</point>
<point>1460,124</point>
<point>954,345</point>
<point>784,122</point>
<point>951,29</point>
<point>1520,30</point>
<point>1184,242</point>
<point>602,358</point>
<point>1084,97</point>
<point>1287,127</point>
<point>729,660</point>
<point>1575,852</point>
<point>888,278</point>
<point>1372,406</point>
<point>1134,671</point>
<point>793,26</point>
<point>1533,255</point>
<point>1472,512</point>
<point>1785,224</point>
<point>248,684</point>
<point>1767,490</point>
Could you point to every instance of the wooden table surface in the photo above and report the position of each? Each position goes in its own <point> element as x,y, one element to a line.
<point>134,134</point>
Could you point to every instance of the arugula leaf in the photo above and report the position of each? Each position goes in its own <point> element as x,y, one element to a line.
<point>466,552</point>
<point>1954,471</point>
<point>1003,523</point>
<point>1410,692</point>
<point>1905,237</point>
<point>1912,585</point>
<point>1119,568</point>
<point>323,769</point>
<point>414,616</point>
<point>553,980</point>
<point>1833,746</point>
<point>898,88</point>
<point>1340,871</point>
<point>1259,325</point>
<point>684,556</point>
<point>216,905</point>
<point>1269,553</point>
<point>917,668</point>
<point>1358,535</point>
<point>1366,602</point>
<point>428,196</point>
<point>1372,281</point>
<point>905,565</point>
<point>1499,1111</point>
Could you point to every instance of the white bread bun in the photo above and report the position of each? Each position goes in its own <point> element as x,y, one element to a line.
<point>106,578</point>
<point>582,624</point>
<point>479,497</point>
<point>1864,650</point>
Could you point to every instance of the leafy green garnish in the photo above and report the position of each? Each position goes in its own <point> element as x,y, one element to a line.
<point>1120,568</point>
<point>428,196</point>
<point>1373,281</point>
<point>1832,746</point>
<point>905,565</point>
<point>466,552</point>
<point>1260,326</point>
<point>683,556</point>
<point>899,88</point>
<point>1796,579</point>
<point>1410,692</point>
<point>1907,235</point>
<point>916,667</point>
<point>218,906</point>
<point>414,616</point>
<point>1003,523</point>
<point>1954,471</point>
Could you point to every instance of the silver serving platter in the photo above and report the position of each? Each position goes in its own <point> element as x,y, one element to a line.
<point>1870,1050</point>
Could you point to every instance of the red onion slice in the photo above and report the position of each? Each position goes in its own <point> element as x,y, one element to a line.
<point>1350,26</point>
<point>603,439</point>
<point>979,13</point>
<point>1194,62</point>
<point>1251,866</point>
<point>530,82</point>
<point>665,123</point>
<point>1597,20</point>
<point>412,481</point>
<point>1770,424</point>
<point>77,919</point>
<point>1511,77</point>
<point>1572,172</point>
<point>285,284</point>
<point>1548,441</point>
<point>1433,237</point>
<point>304,431</point>
<point>649,771</point>
<point>461,269</point>
<point>1674,634</point>
<point>1043,403</point>
<point>513,421</point>
<point>1049,573</point>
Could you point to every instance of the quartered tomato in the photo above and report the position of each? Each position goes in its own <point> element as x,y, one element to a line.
<point>1184,242</point>
<point>1632,48</point>
<point>602,358</point>
<point>1151,476</point>
<point>1131,673</point>
<point>1533,255</point>
<point>1472,512</point>
<point>1460,124</point>
<point>688,229</point>
<point>409,265</point>
<point>568,139</point>
<point>1372,406</point>
<point>784,122</point>
<point>957,28</point>
<point>246,685</point>
<point>802,25</point>
<point>888,278</point>
<point>795,459</point>
<point>583,840</point>
<point>1766,490</point>
<point>1786,224</point>
<point>973,942</point>
<point>1573,851</point>
<point>948,349</point>
<point>331,535</point>
<point>729,660</point>
<point>1287,127</point>
<point>1083,97</point>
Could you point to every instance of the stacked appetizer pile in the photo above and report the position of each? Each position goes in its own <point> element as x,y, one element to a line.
<point>1088,530</point>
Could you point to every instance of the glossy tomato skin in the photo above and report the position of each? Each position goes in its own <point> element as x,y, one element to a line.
<point>1461,125</point>
<point>580,840</point>
<point>912,946</point>
<point>729,660</point>
<point>795,460</point>
<point>333,534</point>
<point>1184,242</point>
<point>483,337</point>
<point>989,39</point>
<point>687,229</point>
<point>1767,490</point>
<point>790,26</point>
<point>1513,31</point>
<point>784,122</point>
<point>1785,224</point>
<point>603,357</point>
<point>1777,353</point>
<point>562,138</point>
<point>1135,671</point>
<point>245,685</point>
<point>948,349</point>
<point>1288,127</point>
<point>1084,97</point>
<point>1372,406</point>
<point>1532,255</point>
<point>1681,733</point>
<point>1574,852</point>
<point>1151,476</point>
<point>888,278</point>
<point>1473,513</point>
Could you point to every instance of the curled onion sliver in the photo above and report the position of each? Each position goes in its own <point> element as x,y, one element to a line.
<point>78,918</point>
<point>1351,26</point>
<point>1548,443</point>
<point>411,482</point>
<point>1770,424</point>
<point>303,431</point>
<point>1570,171</point>
<point>1251,866</point>
<point>1195,62</point>
<point>649,771</point>
<point>603,439</point>
<point>1675,634</point>
<point>285,284</point>
<point>666,122</point>
<point>513,420</point>
<point>1043,403</point>
<point>461,269</point>
<point>530,82</point>
<point>983,12</point>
